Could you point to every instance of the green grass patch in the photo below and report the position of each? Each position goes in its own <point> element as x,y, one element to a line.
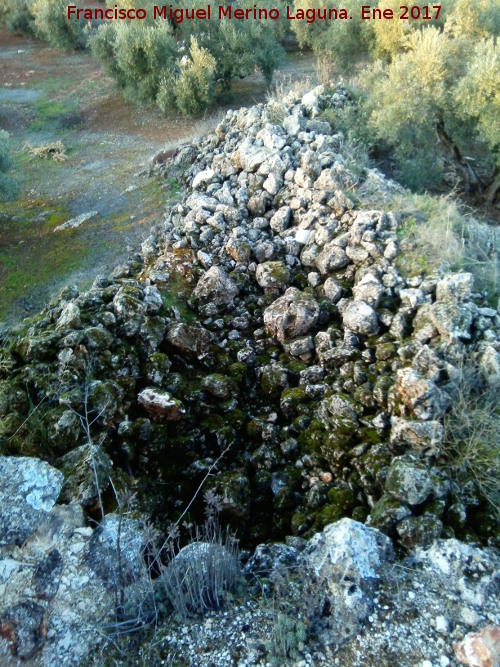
<point>50,113</point>
<point>171,299</point>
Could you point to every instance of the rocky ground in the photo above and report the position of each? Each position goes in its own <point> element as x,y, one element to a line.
<point>268,344</point>
<point>49,100</point>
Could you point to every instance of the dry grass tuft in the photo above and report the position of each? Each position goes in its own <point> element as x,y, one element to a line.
<point>55,151</point>
<point>437,233</point>
<point>472,428</point>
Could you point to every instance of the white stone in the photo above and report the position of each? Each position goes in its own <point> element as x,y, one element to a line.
<point>302,236</point>
<point>204,177</point>
<point>441,624</point>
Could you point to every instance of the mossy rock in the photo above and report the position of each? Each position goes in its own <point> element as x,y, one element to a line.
<point>291,399</point>
<point>364,395</point>
<point>381,389</point>
<point>38,347</point>
<point>98,339</point>
<point>335,428</point>
<point>219,386</point>
<point>387,512</point>
<point>372,468</point>
<point>81,468</point>
<point>274,379</point>
<point>295,367</point>
<point>12,438</point>
<point>237,371</point>
<point>136,430</point>
<point>332,513</point>
<point>409,480</point>
<point>157,367</point>
<point>213,423</point>
<point>236,418</point>
<point>285,503</point>
<point>254,429</point>
<point>369,435</point>
<point>385,351</point>
<point>152,333</point>
<point>419,530</point>
<point>13,398</point>
<point>64,428</point>
<point>103,400</point>
<point>300,522</point>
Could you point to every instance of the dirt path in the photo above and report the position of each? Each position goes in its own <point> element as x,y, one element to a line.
<point>46,96</point>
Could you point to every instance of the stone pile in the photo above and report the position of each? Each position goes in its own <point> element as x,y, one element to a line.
<point>268,318</point>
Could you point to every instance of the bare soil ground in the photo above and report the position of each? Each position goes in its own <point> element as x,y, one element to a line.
<point>46,96</point>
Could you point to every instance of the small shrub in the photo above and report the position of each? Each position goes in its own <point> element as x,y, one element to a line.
<point>8,186</point>
<point>151,65</point>
<point>198,576</point>
<point>52,25</point>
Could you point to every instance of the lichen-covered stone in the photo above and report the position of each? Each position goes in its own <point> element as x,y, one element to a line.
<point>360,318</point>
<point>420,436</point>
<point>422,530</point>
<point>455,287</point>
<point>69,318</point>
<point>271,275</point>
<point>217,287</point>
<point>387,512</point>
<point>331,258</point>
<point>82,468</point>
<point>219,385</point>
<point>422,396</point>
<point>346,556</point>
<point>409,480</point>
<point>98,339</point>
<point>28,490</point>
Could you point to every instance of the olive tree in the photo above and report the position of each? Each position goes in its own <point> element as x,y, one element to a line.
<point>53,26</point>
<point>346,42</point>
<point>477,97</point>
<point>136,56</point>
<point>17,17</point>
<point>405,103</point>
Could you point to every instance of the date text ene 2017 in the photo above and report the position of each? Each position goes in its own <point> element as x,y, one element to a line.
<point>427,13</point>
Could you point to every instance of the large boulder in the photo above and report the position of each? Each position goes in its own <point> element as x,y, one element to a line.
<point>423,398</point>
<point>190,340</point>
<point>217,287</point>
<point>292,315</point>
